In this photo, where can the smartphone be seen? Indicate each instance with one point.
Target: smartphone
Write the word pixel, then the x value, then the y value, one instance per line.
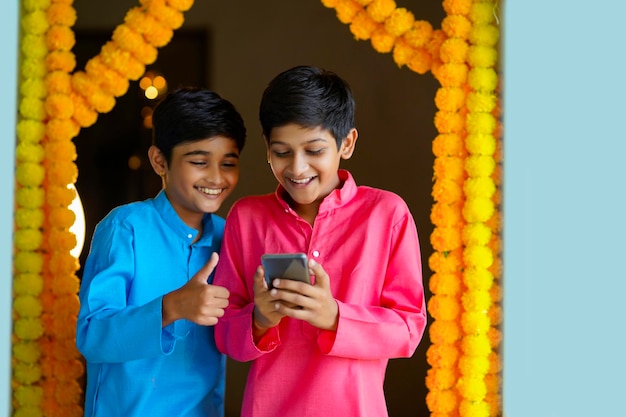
pixel 286 266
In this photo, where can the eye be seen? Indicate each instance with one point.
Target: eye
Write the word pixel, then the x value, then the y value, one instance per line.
pixel 198 163
pixel 316 152
pixel 279 154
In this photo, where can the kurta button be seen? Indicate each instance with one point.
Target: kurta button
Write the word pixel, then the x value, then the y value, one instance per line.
pixel 189 236
pixel 316 253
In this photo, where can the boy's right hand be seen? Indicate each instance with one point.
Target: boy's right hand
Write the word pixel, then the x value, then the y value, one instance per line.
pixel 197 300
pixel 265 313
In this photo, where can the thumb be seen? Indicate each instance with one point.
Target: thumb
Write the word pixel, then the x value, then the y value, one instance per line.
pixel 203 274
pixel 321 277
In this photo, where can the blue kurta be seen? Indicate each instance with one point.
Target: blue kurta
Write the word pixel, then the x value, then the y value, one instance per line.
pixel 140 252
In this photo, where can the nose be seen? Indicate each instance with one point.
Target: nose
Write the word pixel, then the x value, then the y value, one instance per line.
pixel 299 164
pixel 213 173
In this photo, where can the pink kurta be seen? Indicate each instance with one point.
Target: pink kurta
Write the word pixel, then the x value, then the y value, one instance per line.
pixel 367 242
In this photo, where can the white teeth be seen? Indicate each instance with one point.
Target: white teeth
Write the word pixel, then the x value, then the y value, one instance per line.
pixel 302 181
pixel 210 191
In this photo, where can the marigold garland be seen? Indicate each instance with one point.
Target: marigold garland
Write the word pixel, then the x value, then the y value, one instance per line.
pixel 54 104
pixel 462 55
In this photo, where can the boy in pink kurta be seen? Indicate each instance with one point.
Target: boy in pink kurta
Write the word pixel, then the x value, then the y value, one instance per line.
pixel 318 349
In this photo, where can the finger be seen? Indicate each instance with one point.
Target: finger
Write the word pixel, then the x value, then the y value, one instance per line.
pixel 321 277
pixel 203 274
pixel 259 280
pixel 219 292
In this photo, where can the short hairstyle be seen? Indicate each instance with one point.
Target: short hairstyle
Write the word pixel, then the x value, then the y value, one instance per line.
pixel 309 97
pixel 190 114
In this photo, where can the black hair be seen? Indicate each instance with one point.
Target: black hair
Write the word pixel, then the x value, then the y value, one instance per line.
pixel 191 114
pixel 309 97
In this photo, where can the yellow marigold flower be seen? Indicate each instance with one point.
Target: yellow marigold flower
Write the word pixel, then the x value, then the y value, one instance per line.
pixel 445 283
pixel 380 10
pixel 486 35
pixel 27 328
pixel 476 366
pixel 483 123
pixel 59 106
pixel 28 239
pixel 152 30
pixel 443 331
pixel 445 238
pixel 457 6
pixel 478 279
pixel 347 10
pixel 456 26
pixel 122 61
pixel 442 356
pixel 29 197
pixel 26 374
pixel 476 345
pixel 27 284
pixel 34 46
pixel 473 408
pixel 438 379
pixel 443 402
pixel 452 75
pixel 481 144
pixel 32 108
pixel 29 174
pixel 60 61
pixel 478 209
pixel 400 22
pixel 32 5
pixel 131 41
pixel 421 61
pixel 450 99
pixel 170 17
pixel 32 68
pixel 420 34
pixel 447 191
pixel 59 195
pixel 482 56
pixel 472 389
pixel 449 262
pixel 26 351
pixel 27 306
pixel 446 215
pixel 476 234
pixel 449 122
pixel 33 87
pixel 60 37
pixel 483 79
pixel 382 41
pixel 58 82
pixel 28 218
pixel 29 152
pixel 363 26
pixel 454 50
pixel 479 165
pixel 63 130
pixel 474 322
pixel 30 131
pixel 443 307
pixel 448 144
pixel 110 80
pixel 61 14
pixel 28 395
pixel 482 13
pixel 477 256
pixel 479 102
pixel 479 187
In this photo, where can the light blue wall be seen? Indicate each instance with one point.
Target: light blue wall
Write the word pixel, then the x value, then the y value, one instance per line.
pixel 8 75
pixel 565 208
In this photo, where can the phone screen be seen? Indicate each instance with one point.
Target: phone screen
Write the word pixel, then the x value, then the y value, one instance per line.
pixel 286 266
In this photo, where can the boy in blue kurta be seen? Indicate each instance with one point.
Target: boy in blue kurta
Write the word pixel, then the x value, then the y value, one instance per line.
pixel 148 307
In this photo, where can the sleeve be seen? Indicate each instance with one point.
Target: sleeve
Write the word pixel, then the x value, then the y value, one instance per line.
pixel 233 332
pixel 108 328
pixel 395 328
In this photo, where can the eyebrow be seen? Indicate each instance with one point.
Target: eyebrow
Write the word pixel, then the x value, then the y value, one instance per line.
pixel 207 153
pixel 278 142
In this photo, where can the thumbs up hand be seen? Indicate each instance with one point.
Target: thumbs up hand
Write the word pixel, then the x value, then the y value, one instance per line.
pixel 197 300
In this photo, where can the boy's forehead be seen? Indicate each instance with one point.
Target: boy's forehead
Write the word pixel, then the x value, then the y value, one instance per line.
pixel 206 144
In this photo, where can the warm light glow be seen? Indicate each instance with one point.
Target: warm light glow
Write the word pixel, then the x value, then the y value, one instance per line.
pixel 134 162
pixel 151 92
pixel 159 82
pixel 78 228
pixel 145 82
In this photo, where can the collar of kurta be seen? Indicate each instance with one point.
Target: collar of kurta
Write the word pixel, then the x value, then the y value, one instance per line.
pixel 178 226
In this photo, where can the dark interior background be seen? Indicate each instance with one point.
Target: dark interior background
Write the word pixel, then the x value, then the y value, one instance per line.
pixel 235 47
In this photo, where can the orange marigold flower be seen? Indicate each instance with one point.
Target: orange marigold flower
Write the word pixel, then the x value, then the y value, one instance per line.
pixel 449 122
pixel 448 144
pixel 452 75
pixel 446 262
pixel 457 6
pixel 445 238
pixel 59 106
pixel 421 61
pixel 168 16
pixel 438 379
pixel 58 82
pixel 454 50
pixel 444 332
pixel 363 26
pixel 61 172
pixel 456 26
pixel 447 191
pixel 450 99
pixel 60 37
pixel 443 307
pixel 131 41
pixel 442 356
pixel 450 167
pixel 445 283
pixel 420 34
pixel 61 14
pixel 347 10
pixel 402 52
pixel 60 61
pixel 62 264
pixel 400 22
pixel 122 61
pixel 380 10
pixel 443 402
pixel 382 41
pixel 446 215
pixel 59 195
pixel 182 5
pixel 63 130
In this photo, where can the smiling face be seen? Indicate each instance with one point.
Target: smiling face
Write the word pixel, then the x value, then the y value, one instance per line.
pixel 305 162
pixel 199 176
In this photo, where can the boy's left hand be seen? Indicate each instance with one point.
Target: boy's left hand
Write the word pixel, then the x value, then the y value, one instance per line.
pixel 314 304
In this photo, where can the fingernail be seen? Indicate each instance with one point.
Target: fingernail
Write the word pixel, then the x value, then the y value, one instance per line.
pixel 312 263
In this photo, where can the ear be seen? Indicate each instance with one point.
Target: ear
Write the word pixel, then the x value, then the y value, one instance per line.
pixel 157 160
pixel 349 144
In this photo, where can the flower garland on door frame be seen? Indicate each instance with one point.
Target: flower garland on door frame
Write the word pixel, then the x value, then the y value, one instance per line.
pixel 464 378
pixel 54 104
